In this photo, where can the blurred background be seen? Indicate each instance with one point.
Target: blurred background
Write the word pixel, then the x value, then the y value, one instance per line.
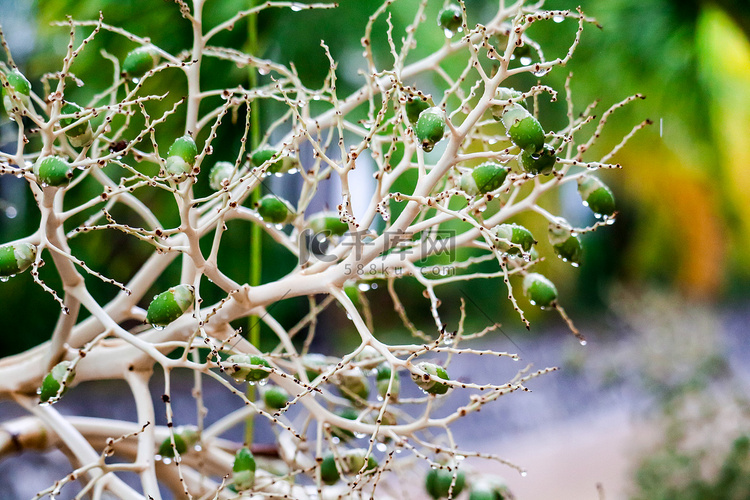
pixel 656 406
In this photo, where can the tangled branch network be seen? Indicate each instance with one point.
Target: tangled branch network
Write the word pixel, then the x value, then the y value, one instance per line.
pixel 477 156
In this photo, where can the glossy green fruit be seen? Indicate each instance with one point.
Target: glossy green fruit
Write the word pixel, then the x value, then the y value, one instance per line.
pixel 243 470
pixel 274 209
pixel 383 379
pixel 540 291
pixel 278 166
pixel 514 233
pixel 58 376
pixel 19 90
pixel 170 305
pixel 596 195
pixel 16 258
pixel 489 491
pixel 53 171
pixel 430 127
pixel 438 483
pixel 414 106
pixel 352 384
pixel 166 449
pixel 329 223
pixel 566 246
pixel 220 172
pixel 523 129
pixel 139 61
pixel 181 156
pixel 539 163
pixel 329 474
pixel 431 386
pixel 345 434
pixel 352 461
pixel 483 178
pixel 80 135
pixel 240 367
pixel 275 398
pixel 449 18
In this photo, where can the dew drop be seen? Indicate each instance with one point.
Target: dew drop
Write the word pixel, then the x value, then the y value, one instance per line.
pixel 136 80
pixel 166 461
pixel 250 382
pixel 4 279
pixel 11 212
pixel 296 7
pixel 292 171
pixel 263 70
pixel 359 435
pixel 198 447
pixel 262 382
pixel 574 264
pixel 380 398
pixel 363 287
pixel 525 60
pixel 158 327
pixel 335 440
pixel 583 342
pixel 448 33
pixel 348 316
pixel 374 286
pixel 448 341
pixel 279 226
pixel 524 473
pixel 382 448
pixel 558 19
pixel 541 72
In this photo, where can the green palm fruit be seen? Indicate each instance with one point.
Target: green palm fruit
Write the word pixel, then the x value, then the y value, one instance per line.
pixel 166 449
pixel 240 367
pixel 383 379
pixel 540 291
pixel 352 384
pixel 170 305
pixel 483 178
pixel 181 156
pixel 53 171
pixel 18 90
pixel 430 127
pixel 431 386
pixel 58 376
pixel 139 61
pixel 596 195
pixel 243 469
pixel 345 434
pixel 513 233
pixel 278 166
pixel 329 474
pixel 438 483
pixel 328 223
pixel 503 94
pixel 489 490
pixel 16 258
pixel 350 462
pixel 414 106
pixel 80 135
pixel 315 364
pixel 220 172
pixel 566 245
pixel 274 209
pixel 539 163
pixel 450 19
pixel 523 129
pixel 275 397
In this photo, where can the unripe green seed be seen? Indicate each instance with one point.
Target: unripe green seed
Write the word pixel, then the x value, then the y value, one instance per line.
pixel 237 367
pixel 329 474
pixel 345 434
pixel 243 470
pixel 139 61
pixel 539 163
pixel 274 209
pixel 20 90
pixel 503 94
pixel 353 384
pixel 429 385
pixel 220 172
pixel 438 483
pixel 58 376
pixel 449 18
pixel 166 449
pixel 80 135
pixel 539 290
pixel 16 258
pixel 414 106
pixel 566 245
pixel 329 223
pixel 482 493
pixel 596 195
pixel 430 127
pixel 315 364
pixel 513 233
pixel 383 379
pixel 170 305
pixel 524 130
pixel 53 171
pixel 483 178
pixel 275 397
pixel 279 166
pixel 181 156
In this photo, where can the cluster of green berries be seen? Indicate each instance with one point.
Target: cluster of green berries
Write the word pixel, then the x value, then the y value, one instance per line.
pixel 350 462
pixel 438 485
